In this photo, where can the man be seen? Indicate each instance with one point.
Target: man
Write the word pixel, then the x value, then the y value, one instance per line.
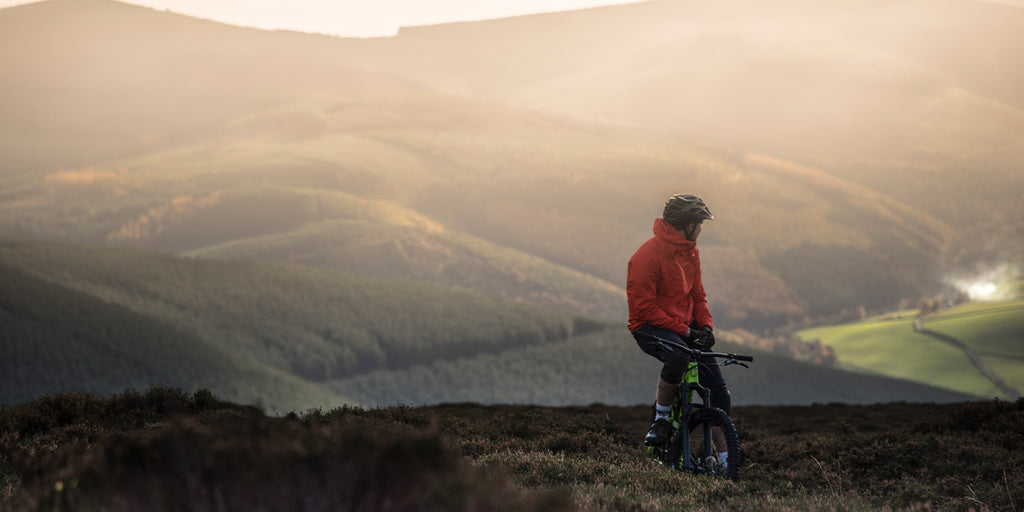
pixel 666 299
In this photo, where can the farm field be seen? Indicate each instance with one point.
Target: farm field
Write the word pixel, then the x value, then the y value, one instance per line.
pixel 992 329
pixel 889 345
pixel 1010 371
pixel 893 348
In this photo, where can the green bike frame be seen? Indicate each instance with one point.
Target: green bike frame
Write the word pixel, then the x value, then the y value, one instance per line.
pixel 683 408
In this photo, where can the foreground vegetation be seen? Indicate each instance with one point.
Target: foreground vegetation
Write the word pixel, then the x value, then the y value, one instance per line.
pixel 168 450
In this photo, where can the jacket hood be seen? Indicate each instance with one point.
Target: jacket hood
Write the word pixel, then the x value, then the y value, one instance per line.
pixel 664 231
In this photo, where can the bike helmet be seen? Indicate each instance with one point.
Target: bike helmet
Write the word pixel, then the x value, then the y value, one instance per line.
pixel 683 209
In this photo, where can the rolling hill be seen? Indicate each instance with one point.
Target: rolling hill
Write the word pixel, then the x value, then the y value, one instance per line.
pixel 577 194
pixel 576 371
pixel 311 322
pixel 495 177
pixel 92 80
pixel 510 130
pixel 585 215
pixel 293 337
pixel 57 339
pixel 911 98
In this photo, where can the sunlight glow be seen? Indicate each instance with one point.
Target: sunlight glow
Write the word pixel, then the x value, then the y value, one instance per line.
pixel 982 291
pixel 355 18
pixel 992 284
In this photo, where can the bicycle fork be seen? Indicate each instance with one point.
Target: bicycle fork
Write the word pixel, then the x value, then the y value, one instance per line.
pixel 684 409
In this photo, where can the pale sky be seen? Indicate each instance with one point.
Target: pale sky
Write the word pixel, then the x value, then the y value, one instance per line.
pixel 356 18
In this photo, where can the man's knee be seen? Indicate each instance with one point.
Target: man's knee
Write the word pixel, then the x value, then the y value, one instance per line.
pixel 722 399
pixel 672 373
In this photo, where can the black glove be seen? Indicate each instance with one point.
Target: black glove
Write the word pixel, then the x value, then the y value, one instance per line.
pixel 701 339
pixel 708 335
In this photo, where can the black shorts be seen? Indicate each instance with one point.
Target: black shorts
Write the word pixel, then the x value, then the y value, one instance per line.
pixel 708 371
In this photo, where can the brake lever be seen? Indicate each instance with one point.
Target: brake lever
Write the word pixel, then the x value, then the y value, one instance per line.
pixel 734 361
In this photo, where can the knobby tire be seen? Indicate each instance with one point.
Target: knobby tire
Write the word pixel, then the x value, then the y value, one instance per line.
pixel 716 418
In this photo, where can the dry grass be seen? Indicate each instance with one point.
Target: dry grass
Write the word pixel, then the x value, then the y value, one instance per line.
pixel 166 450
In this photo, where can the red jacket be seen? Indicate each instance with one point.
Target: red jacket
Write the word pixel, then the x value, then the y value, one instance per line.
pixel 663 283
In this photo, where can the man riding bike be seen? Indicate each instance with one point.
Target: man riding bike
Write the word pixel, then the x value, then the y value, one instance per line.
pixel 666 299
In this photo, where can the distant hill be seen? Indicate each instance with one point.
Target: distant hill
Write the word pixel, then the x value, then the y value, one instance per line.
pixel 379 240
pixel 291 337
pixel 92 80
pixel 916 99
pixel 584 376
pixel 315 323
pixel 58 339
pixel 526 158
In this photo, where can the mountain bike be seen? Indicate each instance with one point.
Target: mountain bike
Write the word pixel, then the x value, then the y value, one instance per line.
pixel 693 448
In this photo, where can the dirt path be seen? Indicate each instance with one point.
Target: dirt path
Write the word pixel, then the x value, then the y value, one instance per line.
pixel 1010 391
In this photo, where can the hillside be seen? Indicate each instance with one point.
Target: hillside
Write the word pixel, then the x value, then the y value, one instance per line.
pixel 577 371
pixel 167 450
pixel 102 320
pixel 56 339
pixel 92 80
pixel 386 241
pixel 291 337
pixel 915 99
pixel 227 160
pixel 312 322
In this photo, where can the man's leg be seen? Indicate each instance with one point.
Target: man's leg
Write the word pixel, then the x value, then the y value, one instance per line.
pixel 668 383
pixel 666 393
pixel 710 375
pixel 665 396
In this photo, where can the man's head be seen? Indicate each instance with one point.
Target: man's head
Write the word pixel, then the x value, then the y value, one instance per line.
pixel 686 213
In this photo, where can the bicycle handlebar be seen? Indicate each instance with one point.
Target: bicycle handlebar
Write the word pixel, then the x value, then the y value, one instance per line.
pixel 692 352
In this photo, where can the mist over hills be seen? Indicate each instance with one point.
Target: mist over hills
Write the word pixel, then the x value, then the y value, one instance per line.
pixel 849 162
pixel 92 80
pixel 211 111
pixel 899 96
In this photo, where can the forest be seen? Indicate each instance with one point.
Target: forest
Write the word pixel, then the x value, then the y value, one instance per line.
pixel 293 337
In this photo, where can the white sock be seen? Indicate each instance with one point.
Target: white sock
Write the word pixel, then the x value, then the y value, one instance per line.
pixel 662 412
pixel 723 458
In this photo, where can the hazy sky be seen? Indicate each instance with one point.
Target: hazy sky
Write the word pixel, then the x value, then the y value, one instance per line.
pixel 356 18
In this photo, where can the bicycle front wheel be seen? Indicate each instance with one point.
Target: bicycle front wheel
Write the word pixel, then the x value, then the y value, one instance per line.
pixel 710 431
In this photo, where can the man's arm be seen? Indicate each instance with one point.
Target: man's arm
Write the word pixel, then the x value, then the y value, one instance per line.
pixel 641 290
pixel 701 312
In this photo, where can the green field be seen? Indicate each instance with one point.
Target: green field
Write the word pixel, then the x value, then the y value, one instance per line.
pixel 995 331
pixel 1011 371
pixel 889 345
pixel 992 329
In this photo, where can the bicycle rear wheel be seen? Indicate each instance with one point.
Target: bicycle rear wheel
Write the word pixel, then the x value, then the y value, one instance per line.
pixel 704 460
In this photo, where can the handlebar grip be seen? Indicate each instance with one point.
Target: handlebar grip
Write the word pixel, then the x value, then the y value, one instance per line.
pixel 744 358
